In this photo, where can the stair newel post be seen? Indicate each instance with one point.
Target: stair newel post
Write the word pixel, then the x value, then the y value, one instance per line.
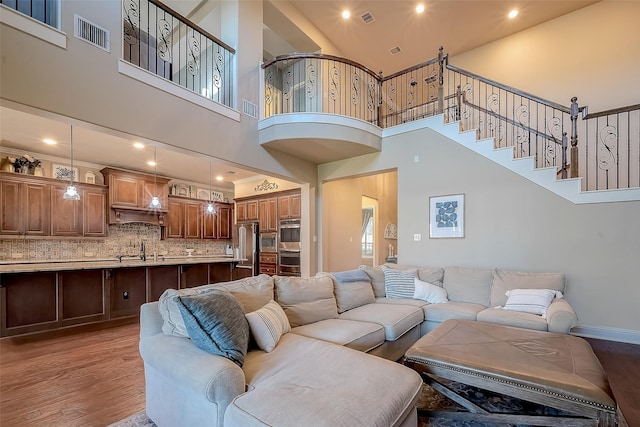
pixel 565 143
pixel 380 99
pixel 574 137
pixel 441 80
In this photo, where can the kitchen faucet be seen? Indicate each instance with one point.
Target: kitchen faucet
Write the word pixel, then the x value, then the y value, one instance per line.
pixel 143 254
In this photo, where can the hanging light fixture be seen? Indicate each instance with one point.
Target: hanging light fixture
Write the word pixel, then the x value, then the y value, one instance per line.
pixel 155 200
pixel 210 208
pixel 72 191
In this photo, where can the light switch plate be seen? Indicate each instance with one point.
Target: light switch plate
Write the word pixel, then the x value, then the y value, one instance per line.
pixel 417 237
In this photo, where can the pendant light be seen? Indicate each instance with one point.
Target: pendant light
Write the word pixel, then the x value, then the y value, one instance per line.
pixel 72 191
pixel 155 200
pixel 210 208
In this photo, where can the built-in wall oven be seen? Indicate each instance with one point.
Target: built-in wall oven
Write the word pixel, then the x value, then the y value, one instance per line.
pixel 289 248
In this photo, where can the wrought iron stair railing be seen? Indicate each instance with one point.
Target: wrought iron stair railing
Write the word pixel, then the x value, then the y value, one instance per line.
pixel 602 148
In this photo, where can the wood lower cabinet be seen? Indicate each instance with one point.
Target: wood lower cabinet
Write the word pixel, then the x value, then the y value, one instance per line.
pixel 194 275
pixel 81 295
pixel 161 278
pixel 29 302
pixel 128 290
pixel 220 272
pixel 268 263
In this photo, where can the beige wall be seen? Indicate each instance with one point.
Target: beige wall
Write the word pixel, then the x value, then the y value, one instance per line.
pixel 342 218
pixel 593 53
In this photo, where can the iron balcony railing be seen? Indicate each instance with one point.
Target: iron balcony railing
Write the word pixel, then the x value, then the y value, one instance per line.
pixel 163 42
pixel 46 11
pixel 602 148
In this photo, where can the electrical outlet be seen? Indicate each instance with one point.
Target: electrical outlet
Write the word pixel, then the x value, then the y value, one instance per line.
pixel 417 237
pixel 416 159
pixel 125 295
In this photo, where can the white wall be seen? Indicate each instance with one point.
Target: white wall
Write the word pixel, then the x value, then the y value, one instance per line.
pixel 511 223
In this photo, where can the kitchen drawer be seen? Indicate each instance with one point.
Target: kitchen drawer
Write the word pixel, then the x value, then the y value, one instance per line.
pixel 268 258
pixel 268 269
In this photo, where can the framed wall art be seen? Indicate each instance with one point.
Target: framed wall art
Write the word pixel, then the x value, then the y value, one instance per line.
pixel 446 216
pixel 64 172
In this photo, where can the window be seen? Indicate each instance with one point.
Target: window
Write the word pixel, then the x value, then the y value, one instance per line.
pixel 46 11
pixel 367 232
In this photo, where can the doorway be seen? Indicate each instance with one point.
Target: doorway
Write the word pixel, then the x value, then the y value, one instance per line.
pixel 369 224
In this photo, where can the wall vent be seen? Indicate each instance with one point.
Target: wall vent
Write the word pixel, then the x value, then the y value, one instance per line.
pixel 395 50
pixel 91 33
pixel 250 109
pixel 367 17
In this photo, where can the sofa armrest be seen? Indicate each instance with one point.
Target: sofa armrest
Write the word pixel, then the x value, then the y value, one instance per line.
pixel 560 316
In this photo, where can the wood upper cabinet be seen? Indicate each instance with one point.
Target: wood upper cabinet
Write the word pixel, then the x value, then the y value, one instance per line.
pixel 184 219
pixel 267 214
pixel 289 206
pixel 193 220
pixel 24 207
pixel 174 220
pixel 66 215
pixel 247 210
pixel 94 212
pixel 218 225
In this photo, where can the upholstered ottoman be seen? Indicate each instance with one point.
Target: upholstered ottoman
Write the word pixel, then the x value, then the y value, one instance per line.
pixel 555 370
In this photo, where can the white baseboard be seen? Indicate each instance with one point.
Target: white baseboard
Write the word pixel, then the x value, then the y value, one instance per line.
pixel 605 333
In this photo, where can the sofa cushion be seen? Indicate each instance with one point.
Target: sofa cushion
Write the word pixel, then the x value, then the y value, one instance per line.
pixel 268 324
pixel 251 292
pixel 306 299
pixel 362 336
pixel 429 292
pixel 504 281
pixel 534 301
pixel 452 310
pixel 402 301
pixel 426 274
pixel 352 289
pixel 399 283
pixel 512 318
pixel 396 319
pixel 377 279
pixel 216 324
pixel 470 285
pixel 312 378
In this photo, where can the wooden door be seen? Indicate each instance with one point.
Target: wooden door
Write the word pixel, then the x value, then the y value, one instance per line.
pixel 94 212
pixel 268 214
pixel 252 210
pixel 242 211
pixel 210 225
pixel 66 215
pixel 37 209
pixel 283 207
pixel 11 212
pixel 223 213
pixel 294 206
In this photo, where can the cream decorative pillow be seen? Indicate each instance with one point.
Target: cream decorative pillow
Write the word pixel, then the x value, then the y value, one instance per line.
pixel 399 283
pixel 268 324
pixel 429 292
pixel 534 301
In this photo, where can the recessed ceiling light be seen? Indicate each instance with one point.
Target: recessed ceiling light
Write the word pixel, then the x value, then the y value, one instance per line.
pixel 138 145
pixel 151 163
pixel 346 14
pixel 513 14
pixel 420 8
pixel 219 178
pixel 49 141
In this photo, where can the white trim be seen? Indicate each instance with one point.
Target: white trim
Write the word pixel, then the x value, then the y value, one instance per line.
pixel 320 118
pixel 32 26
pixel 151 79
pixel 607 333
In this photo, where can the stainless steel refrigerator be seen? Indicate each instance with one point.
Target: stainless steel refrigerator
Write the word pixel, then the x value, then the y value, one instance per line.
pixel 246 241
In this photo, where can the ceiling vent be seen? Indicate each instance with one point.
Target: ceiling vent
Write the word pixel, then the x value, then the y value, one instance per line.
pixel 395 50
pixel 250 109
pixel 91 33
pixel 367 17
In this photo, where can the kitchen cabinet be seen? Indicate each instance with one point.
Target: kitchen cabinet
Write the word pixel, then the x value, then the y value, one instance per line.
pixel 220 272
pixel 289 206
pixel 268 263
pixel 81 296
pixel 247 210
pixel 25 207
pixel 194 275
pixel 127 289
pixel 193 219
pixel 218 225
pixel 130 194
pixel 66 219
pixel 184 219
pixel 161 278
pixel 29 302
pixel 174 220
pixel 268 214
pixel 94 212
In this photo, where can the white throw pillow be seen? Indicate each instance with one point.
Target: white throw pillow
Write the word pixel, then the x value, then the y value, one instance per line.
pixel 399 283
pixel 268 324
pixel 534 301
pixel 429 292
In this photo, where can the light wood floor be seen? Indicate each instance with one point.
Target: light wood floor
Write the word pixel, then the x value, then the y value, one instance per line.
pixel 94 376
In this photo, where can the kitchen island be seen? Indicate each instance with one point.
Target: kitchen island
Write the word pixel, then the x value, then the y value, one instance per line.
pixel 40 296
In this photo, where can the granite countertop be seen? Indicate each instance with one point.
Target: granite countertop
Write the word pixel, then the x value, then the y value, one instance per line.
pixel 94 263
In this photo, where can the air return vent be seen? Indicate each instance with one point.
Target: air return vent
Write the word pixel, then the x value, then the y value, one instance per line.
pixel 250 109
pixel 396 50
pixel 91 33
pixel 367 17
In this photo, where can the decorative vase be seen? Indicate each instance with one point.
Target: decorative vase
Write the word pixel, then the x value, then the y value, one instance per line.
pixel 38 171
pixel 7 165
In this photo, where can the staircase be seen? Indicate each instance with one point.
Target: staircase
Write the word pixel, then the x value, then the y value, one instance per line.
pixel 546 177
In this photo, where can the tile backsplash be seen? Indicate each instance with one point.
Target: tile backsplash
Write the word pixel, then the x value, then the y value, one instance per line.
pixel 123 239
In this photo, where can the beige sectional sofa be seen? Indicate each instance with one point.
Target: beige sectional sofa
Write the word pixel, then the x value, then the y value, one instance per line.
pixel 321 371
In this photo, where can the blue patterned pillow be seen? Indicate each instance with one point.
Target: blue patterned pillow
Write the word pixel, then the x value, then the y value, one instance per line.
pixel 399 283
pixel 216 323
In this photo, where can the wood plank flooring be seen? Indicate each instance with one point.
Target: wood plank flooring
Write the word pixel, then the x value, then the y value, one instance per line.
pixel 93 376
